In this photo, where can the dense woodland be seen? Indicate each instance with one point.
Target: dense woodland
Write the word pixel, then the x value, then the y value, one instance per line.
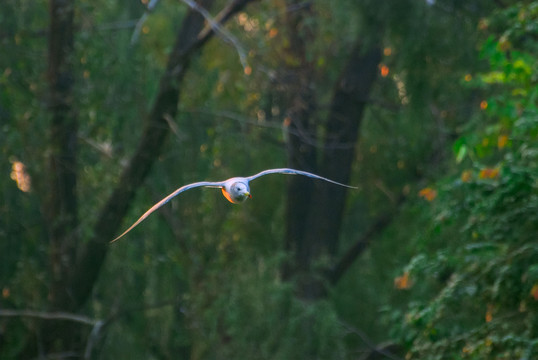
pixel 429 107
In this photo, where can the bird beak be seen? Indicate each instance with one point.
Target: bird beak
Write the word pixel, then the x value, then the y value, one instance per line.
pixel 248 194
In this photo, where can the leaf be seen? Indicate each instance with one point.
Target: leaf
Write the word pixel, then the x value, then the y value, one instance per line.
pixel 461 154
pixel 460 149
pixel 494 77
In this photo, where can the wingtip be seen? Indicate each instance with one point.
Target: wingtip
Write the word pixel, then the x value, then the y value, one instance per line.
pixel 116 239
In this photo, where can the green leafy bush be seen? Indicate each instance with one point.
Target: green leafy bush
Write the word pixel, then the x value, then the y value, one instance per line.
pixel 475 283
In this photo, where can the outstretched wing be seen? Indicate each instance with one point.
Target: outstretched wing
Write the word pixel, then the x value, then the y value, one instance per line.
pixel 167 199
pixel 296 172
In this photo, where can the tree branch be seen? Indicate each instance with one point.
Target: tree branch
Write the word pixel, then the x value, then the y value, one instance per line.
pixel 223 33
pixel 55 315
pixel 382 351
pixel 362 244
pixel 138 27
pixel 97 325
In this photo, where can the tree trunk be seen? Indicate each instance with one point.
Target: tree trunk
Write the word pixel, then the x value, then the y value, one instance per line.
pixel 315 209
pixel 298 88
pixel 60 206
pixel 342 134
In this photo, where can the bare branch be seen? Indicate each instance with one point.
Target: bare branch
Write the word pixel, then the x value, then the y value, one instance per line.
pixel 276 123
pixel 221 31
pixel 56 315
pixel 224 15
pixel 93 337
pixel 138 27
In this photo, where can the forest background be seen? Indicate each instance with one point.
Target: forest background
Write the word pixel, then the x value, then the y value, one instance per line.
pixel 429 107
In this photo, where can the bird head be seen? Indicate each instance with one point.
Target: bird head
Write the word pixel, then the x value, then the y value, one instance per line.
pixel 236 192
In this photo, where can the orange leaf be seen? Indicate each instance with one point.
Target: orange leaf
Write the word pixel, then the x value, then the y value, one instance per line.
pixel 489 173
pixel 428 193
pixel 534 292
pixel 466 176
pixel 489 313
pixel 403 282
pixel 501 141
pixel 384 70
pixel 273 32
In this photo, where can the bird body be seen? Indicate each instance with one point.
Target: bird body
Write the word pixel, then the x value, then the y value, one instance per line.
pixel 235 190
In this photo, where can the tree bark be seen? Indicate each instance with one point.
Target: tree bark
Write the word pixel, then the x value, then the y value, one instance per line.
pixel 315 210
pixel 298 88
pixel 342 134
pixel 60 202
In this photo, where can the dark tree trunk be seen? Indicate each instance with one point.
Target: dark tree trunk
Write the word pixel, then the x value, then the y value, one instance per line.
pixel 315 209
pixel 60 202
pixel 298 88
pixel 342 134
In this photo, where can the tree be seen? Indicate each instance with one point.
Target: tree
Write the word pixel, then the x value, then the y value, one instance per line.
pixel 315 211
pixel 475 276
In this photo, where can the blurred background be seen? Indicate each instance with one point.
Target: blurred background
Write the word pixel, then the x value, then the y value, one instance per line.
pixel 429 107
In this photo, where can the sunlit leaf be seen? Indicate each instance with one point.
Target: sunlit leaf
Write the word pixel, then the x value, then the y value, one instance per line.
pixel 466 176
pixel 489 173
pixel 502 141
pixel 428 193
pixel 403 282
pixel 534 292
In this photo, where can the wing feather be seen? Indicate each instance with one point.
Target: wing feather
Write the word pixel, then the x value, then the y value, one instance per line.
pixel 167 199
pixel 296 172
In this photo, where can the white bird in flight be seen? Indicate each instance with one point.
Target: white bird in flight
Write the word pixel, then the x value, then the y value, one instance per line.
pixel 236 190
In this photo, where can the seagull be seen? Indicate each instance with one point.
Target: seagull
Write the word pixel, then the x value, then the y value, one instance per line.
pixel 235 190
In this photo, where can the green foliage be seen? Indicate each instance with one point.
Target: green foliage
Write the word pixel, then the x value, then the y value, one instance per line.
pixel 202 278
pixel 475 293
pixel 249 311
